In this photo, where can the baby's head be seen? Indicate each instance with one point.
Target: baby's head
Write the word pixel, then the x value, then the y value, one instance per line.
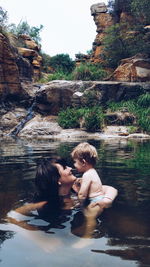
pixel 85 152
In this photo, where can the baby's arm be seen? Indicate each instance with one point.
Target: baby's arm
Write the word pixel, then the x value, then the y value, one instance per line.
pixel 84 189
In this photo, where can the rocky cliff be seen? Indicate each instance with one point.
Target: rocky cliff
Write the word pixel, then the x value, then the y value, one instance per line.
pixel 17 64
pixel 103 20
pixel 134 69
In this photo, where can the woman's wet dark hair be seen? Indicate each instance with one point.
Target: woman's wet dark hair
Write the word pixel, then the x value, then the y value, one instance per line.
pixel 47 187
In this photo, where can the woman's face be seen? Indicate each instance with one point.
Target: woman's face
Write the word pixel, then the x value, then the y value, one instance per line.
pixel 66 176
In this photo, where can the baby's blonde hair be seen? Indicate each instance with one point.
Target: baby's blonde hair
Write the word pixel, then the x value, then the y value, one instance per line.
pixel 85 151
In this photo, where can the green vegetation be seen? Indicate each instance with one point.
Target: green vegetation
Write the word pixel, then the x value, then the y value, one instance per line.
pixel 114 46
pixel 127 38
pixel 69 118
pixel 57 75
pixel 121 44
pixel 63 68
pixel 22 28
pixel 144 100
pixel 88 71
pixel 92 118
pixel 3 20
pixel 62 63
pixel 139 108
pixel 132 129
pixel 141 10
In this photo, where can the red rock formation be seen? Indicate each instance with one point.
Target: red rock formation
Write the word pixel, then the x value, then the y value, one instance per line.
pixel 103 20
pixel 134 69
pixel 9 73
pixel 17 65
pixel 31 53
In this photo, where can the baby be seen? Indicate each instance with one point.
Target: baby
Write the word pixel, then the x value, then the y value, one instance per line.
pixel 85 156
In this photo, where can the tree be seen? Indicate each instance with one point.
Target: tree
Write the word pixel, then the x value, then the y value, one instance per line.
pixel 114 46
pixel 62 62
pixel 3 19
pixel 141 10
pixel 24 28
pixel 46 62
pixel 116 7
pixel 125 39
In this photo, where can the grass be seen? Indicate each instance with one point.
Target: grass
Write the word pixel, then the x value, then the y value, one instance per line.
pixel 92 117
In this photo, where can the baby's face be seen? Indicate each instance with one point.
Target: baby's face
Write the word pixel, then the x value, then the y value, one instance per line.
pixel 79 165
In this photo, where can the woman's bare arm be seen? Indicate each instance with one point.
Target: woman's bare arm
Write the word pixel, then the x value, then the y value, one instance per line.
pixel 26 209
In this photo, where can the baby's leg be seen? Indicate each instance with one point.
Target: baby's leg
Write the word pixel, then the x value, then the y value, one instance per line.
pixel 91 213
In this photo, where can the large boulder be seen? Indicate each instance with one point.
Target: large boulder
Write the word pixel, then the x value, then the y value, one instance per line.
pixel 11 119
pixel 30 43
pixel 57 95
pixel 133 69
pixel 40 126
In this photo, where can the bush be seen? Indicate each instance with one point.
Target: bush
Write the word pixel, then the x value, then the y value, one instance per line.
pixel 91 98
pixel 144 100
pixel 139 108
pixel 58 75
pixel 88 71
pixel 62 63
pixel 71 117
pixel 94 119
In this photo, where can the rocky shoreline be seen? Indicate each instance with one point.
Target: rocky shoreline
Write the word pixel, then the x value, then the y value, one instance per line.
pixel 35 114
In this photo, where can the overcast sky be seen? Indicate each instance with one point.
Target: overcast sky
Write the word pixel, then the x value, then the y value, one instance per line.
pixel 68 24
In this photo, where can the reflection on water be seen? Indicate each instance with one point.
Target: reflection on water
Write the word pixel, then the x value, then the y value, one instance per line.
pixel 122 233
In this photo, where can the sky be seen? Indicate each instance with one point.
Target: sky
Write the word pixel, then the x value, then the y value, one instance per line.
pixel 68 26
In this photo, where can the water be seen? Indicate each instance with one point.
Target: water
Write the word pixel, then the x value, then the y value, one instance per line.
pixel 123 235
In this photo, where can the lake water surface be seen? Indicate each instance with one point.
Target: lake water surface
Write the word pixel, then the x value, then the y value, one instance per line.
pixel 123 235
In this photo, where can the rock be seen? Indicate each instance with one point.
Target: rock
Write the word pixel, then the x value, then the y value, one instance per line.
pixel 27 53
pixel 134 69
pixel 40 126
pixel 57 95
pixel 103 20
pixel 116 130
pixel 120 118
pixel 30 43
pixel 98 8
pixel 25 69
pixel 11 119
pixel 9 73
pixel 16 67
pixel 31 53
pixel 139 136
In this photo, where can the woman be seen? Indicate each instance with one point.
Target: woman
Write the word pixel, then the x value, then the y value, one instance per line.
pixel 55 185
